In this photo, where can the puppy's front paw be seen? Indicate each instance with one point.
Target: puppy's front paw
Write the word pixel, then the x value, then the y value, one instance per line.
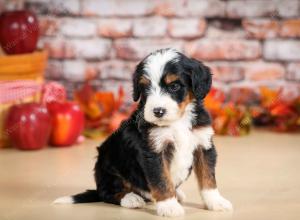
pixel 169 208
pixel 180 195
pixel 132 201
pixel 219 204
pixel 214 201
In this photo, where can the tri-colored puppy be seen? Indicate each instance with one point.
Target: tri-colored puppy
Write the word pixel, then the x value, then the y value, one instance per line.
pixel 168 136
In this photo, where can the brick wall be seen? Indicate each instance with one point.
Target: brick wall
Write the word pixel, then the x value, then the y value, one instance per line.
pixel 245 42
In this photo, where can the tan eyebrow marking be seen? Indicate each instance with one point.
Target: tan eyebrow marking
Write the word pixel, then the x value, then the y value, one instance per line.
pixel 144 80
pixel 171 77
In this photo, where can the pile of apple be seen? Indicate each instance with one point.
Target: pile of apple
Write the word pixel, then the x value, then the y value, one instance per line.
pixel 54 121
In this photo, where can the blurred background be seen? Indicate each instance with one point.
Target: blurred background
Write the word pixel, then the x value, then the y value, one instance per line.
pixel 246 42
pixel 65 80
pixel 86 50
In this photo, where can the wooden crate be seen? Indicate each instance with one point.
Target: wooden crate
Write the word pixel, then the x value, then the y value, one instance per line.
pixel 23 66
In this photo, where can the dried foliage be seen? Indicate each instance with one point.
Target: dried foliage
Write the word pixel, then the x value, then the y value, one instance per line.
pixel 103 110
pixel 242 108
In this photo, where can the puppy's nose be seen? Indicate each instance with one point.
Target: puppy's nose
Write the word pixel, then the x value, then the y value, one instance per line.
pixel 159 112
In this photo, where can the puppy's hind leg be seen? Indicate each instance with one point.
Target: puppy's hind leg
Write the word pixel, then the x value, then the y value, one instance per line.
pixel 113 189
pixel 125 199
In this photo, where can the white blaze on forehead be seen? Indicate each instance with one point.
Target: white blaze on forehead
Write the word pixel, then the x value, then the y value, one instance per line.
pixel 156 62
pixel 154 67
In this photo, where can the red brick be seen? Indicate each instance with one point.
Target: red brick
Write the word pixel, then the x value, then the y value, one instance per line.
pixel 136 49
pixel 54 70
pixel 226 72
pixel 261 28
pixel 78 27
pixel 116 69
pixel 249 8
pixel 93 49
pixel 215 32
pixel 49 26
pixel 124 8
pixel 194 8
pixel 206 8
pixel 264 71
pixel 170 8
pixel 208 49
pixel 74 70
pixel 253 71
pixel 258 8
pixel 293 72
pixel 78 71
pixel 290 28
pixel 178 28
pixel 149 27
pixel 115 28
pixel 57 48
pixel 285 50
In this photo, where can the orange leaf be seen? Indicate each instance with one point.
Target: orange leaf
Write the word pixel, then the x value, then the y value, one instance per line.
pixel 214 100
pixel 87 101
pixel 107 101
pixel 269 97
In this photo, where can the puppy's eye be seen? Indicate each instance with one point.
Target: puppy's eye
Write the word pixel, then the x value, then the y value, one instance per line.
pixel 174 87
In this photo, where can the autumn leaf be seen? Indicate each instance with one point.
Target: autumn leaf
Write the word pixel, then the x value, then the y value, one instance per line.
pixel 214 100
pixel 102 109
pixel 87 100
pixel 107 102
pixel 281 109
pixel 269 97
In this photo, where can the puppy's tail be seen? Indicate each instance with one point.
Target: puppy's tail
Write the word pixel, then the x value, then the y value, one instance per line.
pixel 85 197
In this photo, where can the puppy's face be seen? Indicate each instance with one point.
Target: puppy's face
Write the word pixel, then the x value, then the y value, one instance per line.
pixel 166 81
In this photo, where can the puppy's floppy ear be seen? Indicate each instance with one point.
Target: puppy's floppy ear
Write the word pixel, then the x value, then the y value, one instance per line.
pixel 136 82
pixel 201 78
pixel 136 87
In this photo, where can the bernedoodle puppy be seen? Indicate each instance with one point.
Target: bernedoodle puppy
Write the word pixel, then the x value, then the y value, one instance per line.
pixel 166 137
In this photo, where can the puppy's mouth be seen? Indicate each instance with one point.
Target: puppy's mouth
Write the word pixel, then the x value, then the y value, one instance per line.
pixel 162 122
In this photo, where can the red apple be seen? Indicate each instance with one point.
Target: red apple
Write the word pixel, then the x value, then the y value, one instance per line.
pixel 28 126
pixel 19 31
pixel 67 123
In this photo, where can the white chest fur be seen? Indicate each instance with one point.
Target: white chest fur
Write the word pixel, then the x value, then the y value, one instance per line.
pixel 185 140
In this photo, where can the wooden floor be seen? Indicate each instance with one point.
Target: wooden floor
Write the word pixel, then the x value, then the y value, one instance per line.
pixel 259 174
